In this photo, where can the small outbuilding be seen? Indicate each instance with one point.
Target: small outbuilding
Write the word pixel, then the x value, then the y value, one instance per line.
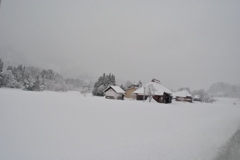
pixel 114 92
pixel 183 95
pixel 196 98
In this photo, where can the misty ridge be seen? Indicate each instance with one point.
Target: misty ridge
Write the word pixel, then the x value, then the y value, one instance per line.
pixel 222 89
pixel 35 79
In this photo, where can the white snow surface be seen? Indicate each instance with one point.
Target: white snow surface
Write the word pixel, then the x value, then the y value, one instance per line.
pixel 182 93
pixel 160 89
pixel 228 101
pixel 68 126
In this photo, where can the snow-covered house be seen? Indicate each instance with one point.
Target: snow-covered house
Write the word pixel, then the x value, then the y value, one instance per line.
pixel 183 96
pixel 196 98
pixel 156 90
pixel 114 92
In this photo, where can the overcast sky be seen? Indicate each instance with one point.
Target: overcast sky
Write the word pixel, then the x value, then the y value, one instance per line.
pixel 181 43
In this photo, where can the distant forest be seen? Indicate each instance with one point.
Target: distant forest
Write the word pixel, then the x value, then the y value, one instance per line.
pixel 36 79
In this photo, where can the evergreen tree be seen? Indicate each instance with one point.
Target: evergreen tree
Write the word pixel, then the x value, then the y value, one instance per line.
pixel 111 79
pixel 37 84
pixel 121 86
pixel 1 65
pixel 103 82
pixel 9 68
pixel 18 73
pixel 1 69
pixel 32 79
pixel 7 79
pixel 139 84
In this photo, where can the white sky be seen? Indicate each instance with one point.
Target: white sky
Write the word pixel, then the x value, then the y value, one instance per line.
pixel 181 43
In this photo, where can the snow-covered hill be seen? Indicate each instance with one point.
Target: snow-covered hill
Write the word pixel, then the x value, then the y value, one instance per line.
pixel 222 89
pixel 69 126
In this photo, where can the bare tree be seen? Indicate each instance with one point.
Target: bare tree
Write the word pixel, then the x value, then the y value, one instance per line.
pixel 85 90
pixel 144 89
pixel 127 84
pixel 203 95
pixel 150 91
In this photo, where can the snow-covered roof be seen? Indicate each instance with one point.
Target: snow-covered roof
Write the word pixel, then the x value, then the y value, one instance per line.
pixel 151 101
pixel 196 96
pixel 182 93
pixel 117 89
pixel 160 89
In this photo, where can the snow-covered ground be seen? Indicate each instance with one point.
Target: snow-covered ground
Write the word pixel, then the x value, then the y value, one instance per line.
pixel 228 101
pixel 68 126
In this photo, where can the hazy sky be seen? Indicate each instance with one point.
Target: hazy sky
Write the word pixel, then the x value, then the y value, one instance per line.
pixel 190 43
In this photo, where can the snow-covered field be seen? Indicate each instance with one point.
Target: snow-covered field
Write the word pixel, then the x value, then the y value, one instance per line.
pixel 68 126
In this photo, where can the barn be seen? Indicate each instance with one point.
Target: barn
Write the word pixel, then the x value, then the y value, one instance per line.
pixel 114 92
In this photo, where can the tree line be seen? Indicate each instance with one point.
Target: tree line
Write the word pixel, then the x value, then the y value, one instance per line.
pixel 36 79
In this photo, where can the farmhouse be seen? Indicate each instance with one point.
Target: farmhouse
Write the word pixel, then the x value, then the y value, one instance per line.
pixel 156 90
pixel 114 92
pixel 183 96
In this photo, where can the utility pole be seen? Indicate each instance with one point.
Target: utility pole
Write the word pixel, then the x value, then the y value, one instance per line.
pixel 144 88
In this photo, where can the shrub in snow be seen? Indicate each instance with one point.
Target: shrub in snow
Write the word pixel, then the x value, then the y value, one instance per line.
pixel 203 95
pixel 85 90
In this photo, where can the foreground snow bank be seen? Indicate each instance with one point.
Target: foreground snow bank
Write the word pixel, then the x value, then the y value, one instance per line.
pixel 59 126
pixel 231 151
